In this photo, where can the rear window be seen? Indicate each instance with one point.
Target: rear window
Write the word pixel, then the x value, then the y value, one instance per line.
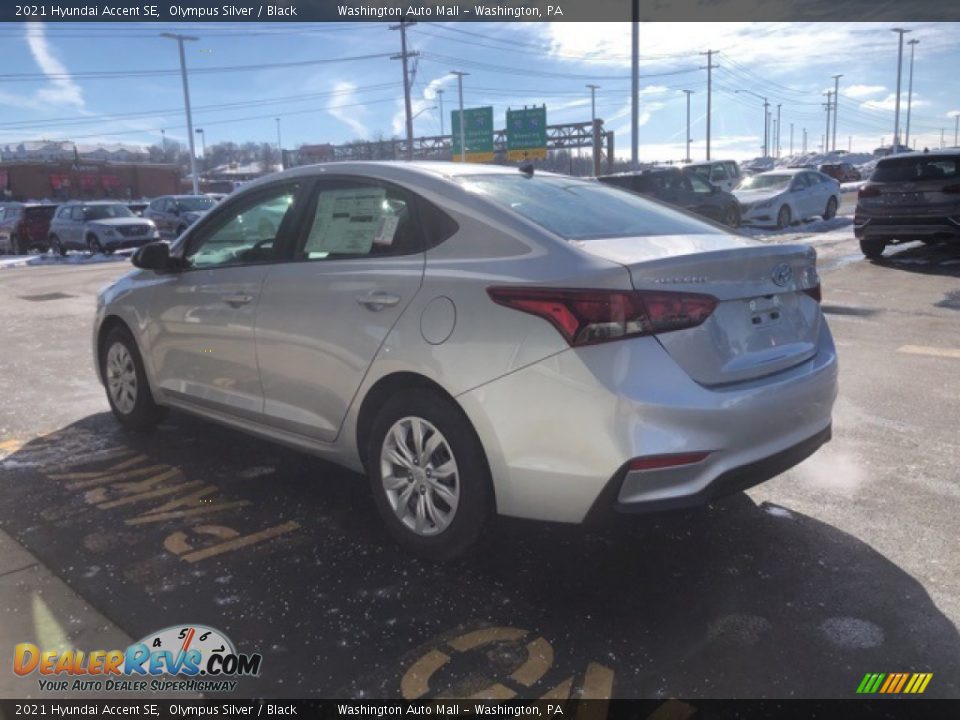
pixel 906 169
pixel 582 210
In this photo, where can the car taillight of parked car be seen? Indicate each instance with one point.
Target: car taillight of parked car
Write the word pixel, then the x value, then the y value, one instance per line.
pixel 868 191
pixel 588 317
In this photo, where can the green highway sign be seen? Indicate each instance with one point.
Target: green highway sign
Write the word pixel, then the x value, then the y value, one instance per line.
pixel 477 134
pixel 527 133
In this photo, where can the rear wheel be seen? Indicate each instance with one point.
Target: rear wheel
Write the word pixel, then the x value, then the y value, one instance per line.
pixel 732 217
pixel 872 247
pixel 831 211
pixel 56 246
pixel 784 217
pixel 428 475
pixel 126 382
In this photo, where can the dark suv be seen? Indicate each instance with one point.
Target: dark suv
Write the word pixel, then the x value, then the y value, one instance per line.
pixel 915 196
pixel 25 226
pixel 841 172
pixel 682 188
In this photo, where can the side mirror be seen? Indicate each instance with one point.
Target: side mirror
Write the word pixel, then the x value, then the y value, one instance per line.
pixel 153 256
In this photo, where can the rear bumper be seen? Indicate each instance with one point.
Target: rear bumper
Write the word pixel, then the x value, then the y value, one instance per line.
pixel 906 227
pixel 557 431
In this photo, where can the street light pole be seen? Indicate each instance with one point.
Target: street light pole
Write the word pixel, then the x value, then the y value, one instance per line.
pixel 826 137
pixel 896 121
pixel 688 94
pixel 186 101
pixel 836 102
pixel 203 142
pixel 463 144
pixel 440 100
pixel 913 44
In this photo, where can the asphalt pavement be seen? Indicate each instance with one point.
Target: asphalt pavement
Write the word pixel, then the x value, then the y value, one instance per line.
pixel 842 566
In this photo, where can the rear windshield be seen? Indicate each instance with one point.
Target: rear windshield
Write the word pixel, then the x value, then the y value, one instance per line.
pixel 582 210
pixel 40 212
pixel 904 169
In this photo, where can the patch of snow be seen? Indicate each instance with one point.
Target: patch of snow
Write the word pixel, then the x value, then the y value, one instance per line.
pixel 71 258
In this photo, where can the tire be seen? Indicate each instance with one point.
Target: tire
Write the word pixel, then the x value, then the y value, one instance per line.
pixel 56 246
pixel 93 245
pixel 831 210
pixel 872 248
pixel 436 524
pixel 125 382
pixel 784 217
pixel 732 217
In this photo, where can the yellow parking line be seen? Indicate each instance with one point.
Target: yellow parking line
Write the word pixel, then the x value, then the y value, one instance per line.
pixel 598 682
pixel 241 542
pixel 487 635
pixel 416 681
pixel 539 660
pixel 953 353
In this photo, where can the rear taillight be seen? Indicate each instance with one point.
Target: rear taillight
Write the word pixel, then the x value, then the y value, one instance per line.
pixel 868 191
pixel 814 292
pixel 659 462
pixel 951 190
pixel 587 317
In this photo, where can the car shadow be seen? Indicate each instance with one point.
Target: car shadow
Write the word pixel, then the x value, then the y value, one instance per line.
pixel 193 523
pixel 940 259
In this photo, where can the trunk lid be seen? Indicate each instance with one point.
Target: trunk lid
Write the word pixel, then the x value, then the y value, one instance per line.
pixel 764 321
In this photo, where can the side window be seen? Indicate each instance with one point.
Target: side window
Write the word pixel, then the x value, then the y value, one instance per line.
pixel 733 169
pixel 350 219
pixel 77 213
pixel 246 234
pixel 700 186
pixel 718 174
pixel 437 225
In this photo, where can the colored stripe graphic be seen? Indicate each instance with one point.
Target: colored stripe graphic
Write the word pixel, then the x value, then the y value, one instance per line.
pixel 894 683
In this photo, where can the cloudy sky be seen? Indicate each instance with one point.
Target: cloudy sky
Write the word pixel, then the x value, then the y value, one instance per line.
pixel 335 82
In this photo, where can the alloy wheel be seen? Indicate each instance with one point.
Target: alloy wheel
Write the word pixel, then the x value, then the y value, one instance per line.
pixel 121 378
pixel 420 476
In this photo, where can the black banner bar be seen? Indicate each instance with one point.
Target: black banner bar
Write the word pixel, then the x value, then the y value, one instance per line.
pixel 165 11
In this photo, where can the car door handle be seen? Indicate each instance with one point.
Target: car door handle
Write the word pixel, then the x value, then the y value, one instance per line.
pixel 238 299
pixel 377 301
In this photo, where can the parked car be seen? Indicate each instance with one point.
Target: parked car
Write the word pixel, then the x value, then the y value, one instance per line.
pixel 781 197
pixel 909 197
pixel 173 214
pixel 725 174
pixel 682 188
pixel 479 340
pixel 98 226
pixel 841 172
pixel 25 226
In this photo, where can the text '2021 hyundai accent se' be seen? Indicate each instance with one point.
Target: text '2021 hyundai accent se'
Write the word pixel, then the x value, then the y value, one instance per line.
pixel 478 340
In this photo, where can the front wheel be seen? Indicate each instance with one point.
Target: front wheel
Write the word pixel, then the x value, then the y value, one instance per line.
pixel 126 382
pixel 732 217
pixel 428 475
pixel 872 248
pixel 93 245
pixel 784 217
pixel 831 210
pixel 56 246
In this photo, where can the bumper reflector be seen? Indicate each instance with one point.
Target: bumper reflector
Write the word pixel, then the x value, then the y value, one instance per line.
pixel 659 462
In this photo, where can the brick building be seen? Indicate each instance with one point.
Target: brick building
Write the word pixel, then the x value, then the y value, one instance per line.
pixel 86 179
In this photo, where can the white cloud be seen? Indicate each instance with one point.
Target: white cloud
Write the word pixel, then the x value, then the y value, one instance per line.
pixel 890 103
pixel 862 91
pixel 345 96
pixel 61 90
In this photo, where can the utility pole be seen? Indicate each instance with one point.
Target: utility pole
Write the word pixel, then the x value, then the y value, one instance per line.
pixel 913 44
pixel 688 93
pixel 896 120
pixel 829 105
pixel 203 143
pixel 594 135
pixel 463 143
pixel 440 99
pixel 767 136
pixel 836 102
pixel 186 101
pixel 804 141
pixel 773 135
pixel 791 139
pixel 779 126
pixel 404 24
pixel 635 84
pixel 709 68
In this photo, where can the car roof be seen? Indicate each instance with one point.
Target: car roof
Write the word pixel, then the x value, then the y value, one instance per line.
pixel 786 171
pixel 946 152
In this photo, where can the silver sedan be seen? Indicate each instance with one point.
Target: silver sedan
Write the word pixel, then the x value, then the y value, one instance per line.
pixel 479 340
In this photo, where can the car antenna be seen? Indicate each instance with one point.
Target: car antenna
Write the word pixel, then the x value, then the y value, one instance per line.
pixel 527 169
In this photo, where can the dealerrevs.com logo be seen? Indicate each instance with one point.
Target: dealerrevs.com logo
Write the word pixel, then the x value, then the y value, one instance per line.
pixel 183 658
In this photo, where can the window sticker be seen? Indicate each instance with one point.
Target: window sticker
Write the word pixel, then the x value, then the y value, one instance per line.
pixel 347 222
